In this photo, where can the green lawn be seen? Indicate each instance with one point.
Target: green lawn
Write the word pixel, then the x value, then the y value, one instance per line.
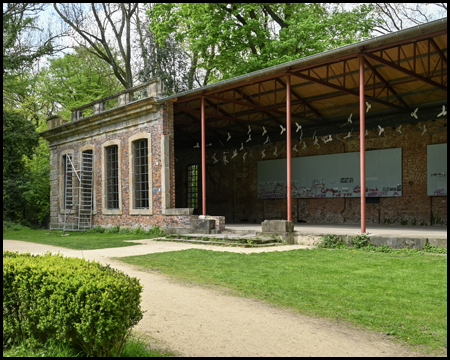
pixel 77 240
pixel 402 294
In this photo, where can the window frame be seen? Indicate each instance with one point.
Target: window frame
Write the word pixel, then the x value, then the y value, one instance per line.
pixel 132 174
pixel 112 177
pixel 140 163
pixel 192 190
pixel 105 209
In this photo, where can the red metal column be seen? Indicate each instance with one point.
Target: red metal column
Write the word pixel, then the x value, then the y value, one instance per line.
pixel 203 157
pixel 288 146
pixel 362 143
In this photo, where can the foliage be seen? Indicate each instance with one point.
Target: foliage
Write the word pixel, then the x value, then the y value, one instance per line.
pixel 434 249
pixel 360 241
pixel 138 231
pixel 404 291
pixel 76 79
pixel 331 242
pixel 10 226
pixel 234 39
pixel 19 140
pixel 113 229
pixel 25 175
pixel 36 190
pixel 167 61
pixel 19 50
pixel 135 346
pixel 70 300
pixel 124 230
pixel 155 231
pixel 91 27
pixel 96 230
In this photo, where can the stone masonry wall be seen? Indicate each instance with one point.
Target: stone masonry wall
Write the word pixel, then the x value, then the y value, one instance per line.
pixel 157 122
pixel 232 188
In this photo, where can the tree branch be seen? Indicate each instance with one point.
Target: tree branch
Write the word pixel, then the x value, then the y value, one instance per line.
pixel 275 17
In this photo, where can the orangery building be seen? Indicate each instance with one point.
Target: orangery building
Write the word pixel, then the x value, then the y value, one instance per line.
pixel 356 134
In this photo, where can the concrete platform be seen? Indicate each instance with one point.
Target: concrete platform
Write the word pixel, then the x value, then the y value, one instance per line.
pixel 395 236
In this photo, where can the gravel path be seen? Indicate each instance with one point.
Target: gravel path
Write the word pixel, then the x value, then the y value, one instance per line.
pixel 199 321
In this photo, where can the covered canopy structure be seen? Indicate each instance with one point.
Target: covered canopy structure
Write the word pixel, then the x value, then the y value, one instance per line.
pixel 385 81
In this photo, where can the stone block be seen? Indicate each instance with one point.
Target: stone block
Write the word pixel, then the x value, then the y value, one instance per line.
pixel 277 226
pixel 220 221
pixel 438 242
pixel 98 108
pixel 123 99
pixel 155 89
pixel 203 224
pixel 178 212
pixel 53 121
pixel 287 237
pixel 77 115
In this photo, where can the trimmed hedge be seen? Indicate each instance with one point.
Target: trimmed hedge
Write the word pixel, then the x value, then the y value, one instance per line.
pixel 81 303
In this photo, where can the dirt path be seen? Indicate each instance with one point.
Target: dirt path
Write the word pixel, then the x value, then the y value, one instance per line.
pixel 196 321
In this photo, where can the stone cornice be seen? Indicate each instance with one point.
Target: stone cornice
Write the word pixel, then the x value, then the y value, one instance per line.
pixel 96 122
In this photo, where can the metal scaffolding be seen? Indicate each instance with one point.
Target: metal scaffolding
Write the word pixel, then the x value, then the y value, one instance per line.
pixel 78 192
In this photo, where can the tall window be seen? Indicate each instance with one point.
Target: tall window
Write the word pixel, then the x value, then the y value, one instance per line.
pixel 87 179
pixel 68 201
pixel 112 177
pixel 192 193
pixel 141 185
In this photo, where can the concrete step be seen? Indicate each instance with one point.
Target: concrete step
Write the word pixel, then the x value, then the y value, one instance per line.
pixel 239 232
pixel 222 243
pixel 228 237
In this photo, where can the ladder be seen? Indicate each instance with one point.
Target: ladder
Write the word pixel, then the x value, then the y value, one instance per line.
pixel 78 192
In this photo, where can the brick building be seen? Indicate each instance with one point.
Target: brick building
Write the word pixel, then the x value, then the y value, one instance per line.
pixel 160 160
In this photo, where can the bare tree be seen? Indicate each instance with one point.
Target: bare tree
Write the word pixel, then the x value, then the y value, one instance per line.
pixel 94 27
pixel 397 16
pixel 25 40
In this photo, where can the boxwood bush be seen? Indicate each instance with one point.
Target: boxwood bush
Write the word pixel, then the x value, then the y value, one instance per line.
pixel 81 303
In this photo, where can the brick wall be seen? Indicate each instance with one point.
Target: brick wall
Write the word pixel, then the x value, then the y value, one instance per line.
pixel 157 122
pixel 232 188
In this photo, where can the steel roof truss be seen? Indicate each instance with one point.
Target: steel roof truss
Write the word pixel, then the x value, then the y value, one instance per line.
pixel 348 91
pixel 407 72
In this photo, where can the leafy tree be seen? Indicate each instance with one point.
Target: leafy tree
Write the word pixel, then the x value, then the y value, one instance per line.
pixel 234 39
pixel 23 45
pixel 76 79
pixel 168 60
pixel 36 187
pixel 19 140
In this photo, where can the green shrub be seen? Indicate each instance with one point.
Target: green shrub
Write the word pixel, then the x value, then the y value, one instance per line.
pixel 138 231
pixel 9 226
pixel 76 302
pixel 97 230
pixel 124 230
pixel 113 229
pixel 434 249
pixel 331 242
pixel 360 241
pixel 155 231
